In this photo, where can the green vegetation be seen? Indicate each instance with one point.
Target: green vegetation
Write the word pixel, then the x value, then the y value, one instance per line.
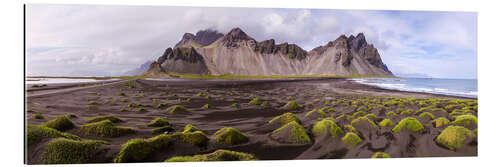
pixel 293 105
pixel 285 118
pixel 327 125
pixel 294 133
pixel 163 129
pixel 190 128
pixel 465 120
pixel 351 139
pixel 381 155
pixel 317 112
pixel 35 133
pixel 453 137
pixel 137 150
pixel 158 122
pixel 61 123
pixel 93 103
pixel 162 105
pixel 177 109
pixel 105 128
pixel 219 155
pixel 371 116
pixel 441 121
pixel 363 120
pixel 38 116
pixel 358 113
pixel 264 104
pixel 72 116
pixel 235 105
pixel 426 114
pixel 386 122
pixel 67 151
pixel 407 112
pixel 206 106
pixel 112 118
pixel 142 110
pixel 392 113
pixel 255 101
pixel 350 128
pixel 230 136
pixel 409 123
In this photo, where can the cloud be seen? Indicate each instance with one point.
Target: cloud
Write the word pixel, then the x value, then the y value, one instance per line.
pixel 109 40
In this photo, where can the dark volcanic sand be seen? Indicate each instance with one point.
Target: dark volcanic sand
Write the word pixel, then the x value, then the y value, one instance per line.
pixel 248 118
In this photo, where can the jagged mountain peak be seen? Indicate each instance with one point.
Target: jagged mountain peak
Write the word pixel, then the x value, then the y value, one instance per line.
pixel 202 38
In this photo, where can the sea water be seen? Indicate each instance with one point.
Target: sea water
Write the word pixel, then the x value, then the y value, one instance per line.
pixel 455 87
pixel 30 81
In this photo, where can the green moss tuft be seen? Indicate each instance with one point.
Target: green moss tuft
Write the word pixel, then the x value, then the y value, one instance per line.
pixel 142 110
pixel 235 105
pixel 190 128
pixel 426 114
pixel 381 155
pixel 285 118
pixel 465 120
pixel 297 133
pixel 112 118
pixel 386 122
pixel 351 139
pixel 327 125
pixel 162 105
pixel 157 122
pixel 453 137
pixel 105 128
pixel 38 116
pixel 67 151
pixel 371 116
pixel 409 123
pixel 206 106
pixel 177 109
pixel 219 155
pixel 256 101
pixel 321 113
pixel 293 105
pixel 358 114
pixel 35 133
pixel 163 129
pixel 441 121
pixel 350 128
pixel 392 113
pixel 230 136
pixel 360 120
pixel 61 123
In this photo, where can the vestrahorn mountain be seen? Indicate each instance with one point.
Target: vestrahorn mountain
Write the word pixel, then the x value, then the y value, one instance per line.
pixel 210 52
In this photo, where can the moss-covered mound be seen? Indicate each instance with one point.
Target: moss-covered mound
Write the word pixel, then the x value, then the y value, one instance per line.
pixel 35 133
pixel 38 116
pixel 177 109
pixel 363 122
pixel 137 150
pixel 441 121
pixel 230 136
pixel 410 124
pixel 61 123
pixel 158 122
pixel 285 118
pixel 391 113
pixel 206 106
pixel 292 132
pixel 190 128
pixel 465 120
pixel 163 129
pixel 453 137
pixel 386 122
pixel 426 114
pixel 358 114
pixel 315 113
pixel 67 151
pixel 219 155
pixel 293 105
pixel 112 118
pixel 381 155
pixel 255 101
pixel 325 126
pixel 105 128
pixel 351 139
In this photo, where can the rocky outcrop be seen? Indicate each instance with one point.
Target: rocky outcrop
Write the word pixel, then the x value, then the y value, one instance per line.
pixel 208 52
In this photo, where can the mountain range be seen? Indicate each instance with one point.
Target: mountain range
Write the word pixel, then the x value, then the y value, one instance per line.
pixel 214 53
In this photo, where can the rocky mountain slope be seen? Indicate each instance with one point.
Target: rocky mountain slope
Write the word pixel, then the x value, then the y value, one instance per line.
pixel 209 52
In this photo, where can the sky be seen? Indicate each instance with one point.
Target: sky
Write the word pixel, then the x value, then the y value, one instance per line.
pixel 109 40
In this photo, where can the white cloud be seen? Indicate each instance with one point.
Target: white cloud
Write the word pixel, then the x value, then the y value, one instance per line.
pixel 86 39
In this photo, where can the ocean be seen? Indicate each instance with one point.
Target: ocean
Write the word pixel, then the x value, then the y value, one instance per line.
pixel 455 87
